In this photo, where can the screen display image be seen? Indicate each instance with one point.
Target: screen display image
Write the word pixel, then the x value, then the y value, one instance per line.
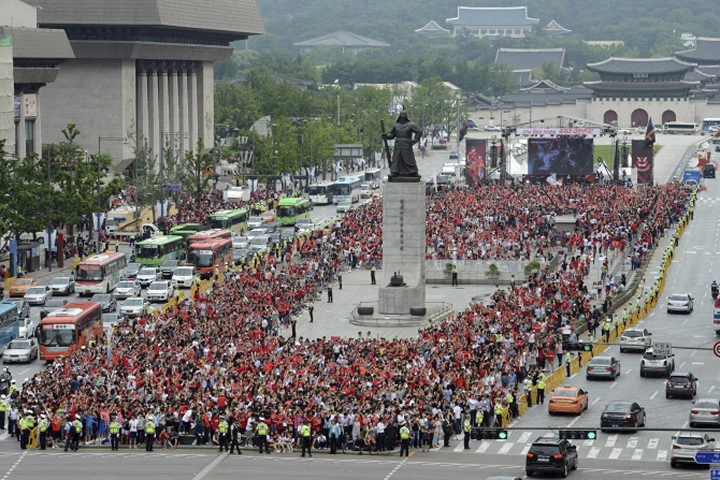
pixel 560 155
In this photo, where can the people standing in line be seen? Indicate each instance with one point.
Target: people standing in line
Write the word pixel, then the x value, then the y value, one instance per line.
pixel 149 433
pixel 306 438
pixel 404 439
pixel 114 434
pixel 261 430
pixel 372 275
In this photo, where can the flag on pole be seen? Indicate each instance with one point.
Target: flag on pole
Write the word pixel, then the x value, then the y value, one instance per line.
pixel 649 134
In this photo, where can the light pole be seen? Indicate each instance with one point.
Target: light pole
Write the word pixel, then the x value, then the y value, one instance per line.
pixel 49 203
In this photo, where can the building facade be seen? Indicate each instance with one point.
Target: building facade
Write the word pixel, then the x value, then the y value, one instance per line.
pixel 143 71
pixel 482 22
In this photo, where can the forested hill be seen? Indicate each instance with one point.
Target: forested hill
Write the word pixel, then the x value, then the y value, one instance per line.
pixel 646 26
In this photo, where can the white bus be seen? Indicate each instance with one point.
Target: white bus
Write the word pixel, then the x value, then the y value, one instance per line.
pixel 346 188
pixel 320 193
pixel 710 122
pixel 373 177
pixel 684 128
pixel 100 273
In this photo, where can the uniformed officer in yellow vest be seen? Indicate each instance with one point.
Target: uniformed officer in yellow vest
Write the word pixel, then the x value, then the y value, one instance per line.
pixel 542 379
pixel 43 426
pixel 479 417
pixel 306 438
pixel 73 442
pixel 261 430
pixel 467 427
pixel 606 329
pixel 114 434
pixel 625 316
pixel 498 410
pixel 26 425
pixel 404 439
pixel 223 434
pixel 149 433
pixel 3 412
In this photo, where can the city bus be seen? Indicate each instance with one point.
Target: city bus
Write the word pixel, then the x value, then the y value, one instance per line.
pixel 212 234
pixel 373 178
pixel 290 209
pixel 100 273
pixel 9 326
pixel 185 230
pixel 320 193
pixel 683 128
pixel 154 251
pixel 710 122
pixel 69 328
pixel 234 220
pixel 346 188
pixel 207 255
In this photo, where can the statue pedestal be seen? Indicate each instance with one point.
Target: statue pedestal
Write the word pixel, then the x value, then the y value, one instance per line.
pixel 403 247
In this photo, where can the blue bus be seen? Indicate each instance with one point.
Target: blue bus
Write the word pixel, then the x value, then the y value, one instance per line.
pixel 346 188
pixel 710 122
pixel 9 325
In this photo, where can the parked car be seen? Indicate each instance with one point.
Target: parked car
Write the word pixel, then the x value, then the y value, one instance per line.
pixel 160 291
pixel 62 285
pixel 681 384
pixel 255 232
pixel 147 275
pixel 705 411
pixel 680 302
pixel 51 305
pixel 567 399
pixel 547 455
pixel 622 414
pixel 287 233
pixel 686 444
pixel 254 222
pixel 259 243
pixel 21 351
pixel 493 128
pixel 168 267
pixel 183 277
pixel 106 301
pixel 133 269
pixel 20 286
pixel 635 339
pixel 364 190
pixel 127 289
pixel 654 363
pixel 134 307
pixel 22 307
pixel 268 216
pixel 37 295
pixel 603 367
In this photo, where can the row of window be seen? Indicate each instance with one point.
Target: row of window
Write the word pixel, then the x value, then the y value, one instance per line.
pixel 641 99
pixel 500 31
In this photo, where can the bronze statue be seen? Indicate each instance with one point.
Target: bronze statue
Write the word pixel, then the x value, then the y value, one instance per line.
pixel 406 134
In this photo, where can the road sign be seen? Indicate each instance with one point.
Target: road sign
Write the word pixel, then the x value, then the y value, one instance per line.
pixel 714 474
pixel 716 349
pixel 707 458
pixel 662 348
pixel 173 187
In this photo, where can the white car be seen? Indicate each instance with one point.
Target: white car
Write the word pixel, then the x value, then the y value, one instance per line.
pixel 127 289
pixel 183 277
pixel 254 222
pixel 364 190
pixel 21 350
pixel 26 329
pixel 635 339
pixel 686 444
pixel 344 207
pixel 147 275
pixel 37 295
pixel 134 307
pixel 255 232
pixel 160 291
pixel 680 302
pixel 240 241
pixel 304 225
pixel 493 128
pixel 62 285
pixel 259 243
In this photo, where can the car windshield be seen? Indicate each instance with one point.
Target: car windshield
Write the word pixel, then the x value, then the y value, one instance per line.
pixel 600 361
pixel 712 404
pixel 18 345
pixel 170 263
pixel 633 333
pixel 545 449
pixel 678 298
pixel 565 393
pixel 653 356
pixel 100 298
pixel 36 290
pixel 54 303
pixel 60 281
pixel 694 441
pixel 133 302
pixel 618 407
pixel 147 272
pixel 23 281
pixel 675 379
pixel 258 241
pixel 183 271
pixel 157 286
pixel 133 267
pixel 126 285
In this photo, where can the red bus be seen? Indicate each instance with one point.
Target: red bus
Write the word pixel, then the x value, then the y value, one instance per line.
pixel 69 328
pixel 212 234
pixel 100 273
pixel 205 256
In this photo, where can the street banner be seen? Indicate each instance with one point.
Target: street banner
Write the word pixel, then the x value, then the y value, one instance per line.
pixel 642 161
pixel 554 132
pixel 475 160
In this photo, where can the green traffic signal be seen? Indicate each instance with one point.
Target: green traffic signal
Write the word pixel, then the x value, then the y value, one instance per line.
pixel 502 435
pixel 591 435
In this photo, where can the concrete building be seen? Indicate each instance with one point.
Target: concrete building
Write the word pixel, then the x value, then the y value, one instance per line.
pixel 492 22
pixel 143 70
pixel 29 59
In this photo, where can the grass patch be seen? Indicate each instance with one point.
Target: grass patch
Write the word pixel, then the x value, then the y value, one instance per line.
pixel 607 153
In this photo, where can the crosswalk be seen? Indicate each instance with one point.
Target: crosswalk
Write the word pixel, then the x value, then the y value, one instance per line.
pixel 610 447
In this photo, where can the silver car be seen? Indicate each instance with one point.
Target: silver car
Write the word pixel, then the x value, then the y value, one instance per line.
pixel 635 339
pixel 19 350
pixel 680 302
pixel 603 367
pixel 705 411
pixel 656 363
pixel 127 289
pixel 686 444
pixel 37 295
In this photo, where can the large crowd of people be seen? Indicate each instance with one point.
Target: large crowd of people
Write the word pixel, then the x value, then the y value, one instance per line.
pixel 219 355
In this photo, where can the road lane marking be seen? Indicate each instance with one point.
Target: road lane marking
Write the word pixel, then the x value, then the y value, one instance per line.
pixel 483 447
pixel 505 448
pixel 692 354
pixel 711 389
pixel 525 449
pixel 614 384
pixel 460 447
pixel 653 443
pixel 615 454
pixel 573 422
pixel 593 452
pixel 610 441
pixel 637 454
pixel 596 400
pixel 632 443
pixel 524 437
pixel 682 365
pixel 628 371
pixel 652 397
pixel 662 455
pixel 698 363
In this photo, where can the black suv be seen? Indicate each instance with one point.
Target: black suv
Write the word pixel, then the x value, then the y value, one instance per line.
pixel 709 170
pixel 549 455
pixel 167 268
pixel 681 384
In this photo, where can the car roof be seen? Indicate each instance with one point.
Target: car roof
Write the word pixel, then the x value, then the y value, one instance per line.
pixel 567 387
pixel 681 374
pixel 691 434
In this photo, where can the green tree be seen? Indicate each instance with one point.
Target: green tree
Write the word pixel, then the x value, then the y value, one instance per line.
pixel 195 167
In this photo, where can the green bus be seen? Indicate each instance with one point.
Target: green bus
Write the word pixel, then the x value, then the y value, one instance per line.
pixel 290 209
pixel 154 251
pixel 186 229
pixel 233 220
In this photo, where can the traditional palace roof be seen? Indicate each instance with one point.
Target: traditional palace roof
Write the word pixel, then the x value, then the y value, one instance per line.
pixel 554 28
pixel 238 18
pixel 630 66
pixel 706 51
pixel 432 28
pixel 341 38
pixel 524 58
pixel 492 16
pixel 634 87
pixel 524 76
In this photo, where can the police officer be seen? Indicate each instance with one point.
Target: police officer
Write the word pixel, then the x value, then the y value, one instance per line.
pixel 114 434
pixel 306 438
pixel 73 440
pixel 372 275
pixel 541 388
pixel 404 439
pixel 149 433
pixel 3 410
pixel 261 429
pixel 223 434
pixel 498 409
pixel 26 424
pixel 606 330
pixel 466 431
pixel 234 432
pixel 43 426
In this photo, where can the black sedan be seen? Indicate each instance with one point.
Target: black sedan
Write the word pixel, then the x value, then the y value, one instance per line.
pixel 681 384
pixel 622 414
pixel 106 300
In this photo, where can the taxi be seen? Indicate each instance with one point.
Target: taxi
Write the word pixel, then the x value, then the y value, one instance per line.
pixel 568 400
pixel 20 286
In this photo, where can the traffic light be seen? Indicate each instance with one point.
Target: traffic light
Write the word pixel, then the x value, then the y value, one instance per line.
pixel 489 434
pixel 577 434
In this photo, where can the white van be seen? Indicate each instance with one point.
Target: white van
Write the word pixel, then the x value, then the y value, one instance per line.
pixel 364 190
